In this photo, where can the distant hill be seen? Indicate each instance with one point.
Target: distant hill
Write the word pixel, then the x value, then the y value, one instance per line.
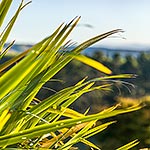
pixel 18 48
pixel 109 51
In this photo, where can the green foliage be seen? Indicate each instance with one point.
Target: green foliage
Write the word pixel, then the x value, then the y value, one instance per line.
pixel 28 122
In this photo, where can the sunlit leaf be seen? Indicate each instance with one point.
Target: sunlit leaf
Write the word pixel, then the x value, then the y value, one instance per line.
pixel 4 7
pixel 95 64
pixel 129 145
pixel 4 35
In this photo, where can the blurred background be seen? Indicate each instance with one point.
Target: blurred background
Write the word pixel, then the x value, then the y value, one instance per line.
pixel 128 52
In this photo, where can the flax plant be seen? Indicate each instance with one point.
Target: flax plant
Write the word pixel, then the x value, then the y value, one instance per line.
pixel 29 123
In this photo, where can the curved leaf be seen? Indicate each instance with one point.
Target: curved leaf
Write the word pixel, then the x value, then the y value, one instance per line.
pixel 93 63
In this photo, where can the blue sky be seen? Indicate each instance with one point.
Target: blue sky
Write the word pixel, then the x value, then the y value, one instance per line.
pixel 42 17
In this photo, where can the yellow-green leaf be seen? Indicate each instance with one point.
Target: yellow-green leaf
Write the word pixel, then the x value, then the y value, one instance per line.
pixel 93 63
pixel 129 145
